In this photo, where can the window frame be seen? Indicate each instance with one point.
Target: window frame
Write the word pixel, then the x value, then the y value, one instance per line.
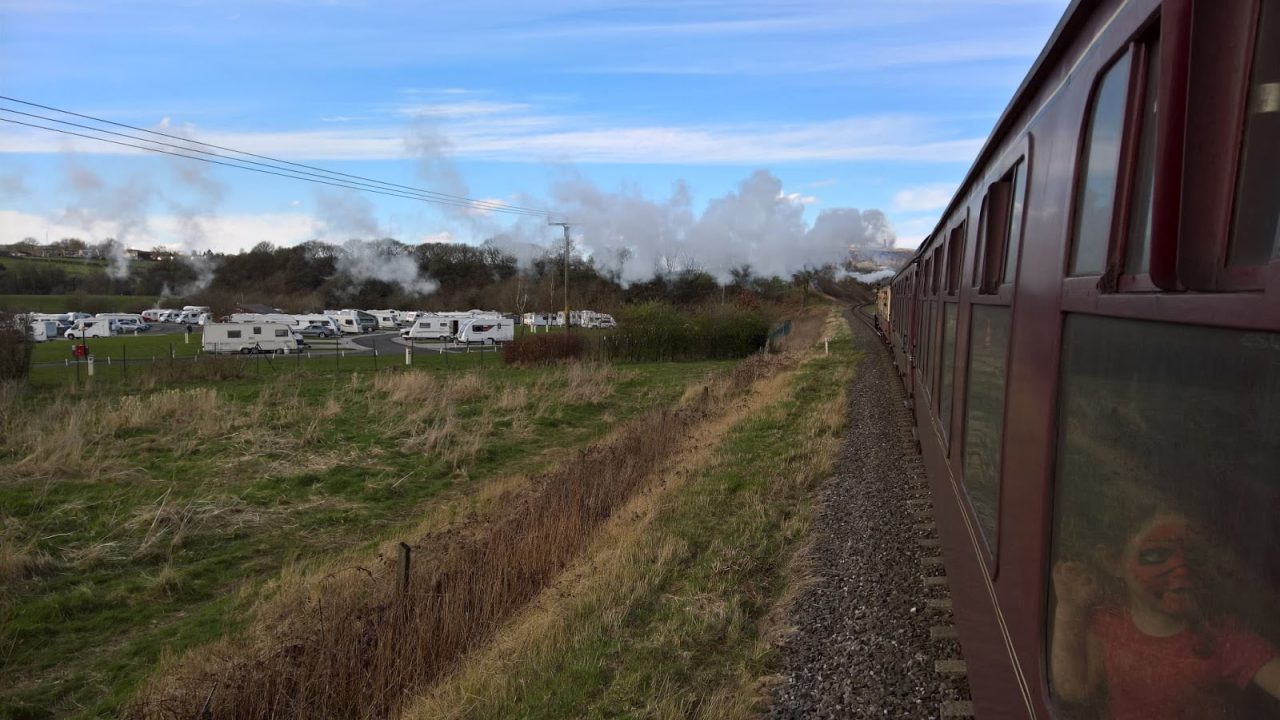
pixel 1231 29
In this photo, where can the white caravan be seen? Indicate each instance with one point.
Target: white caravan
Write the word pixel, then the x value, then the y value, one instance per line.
pixel 537 319
pixel 155 314
pixel 487 330
pixel 387 319
pixel 431 326
pixel 266 337
pixel 43 330
pixel 91 328
pixel 306 320
pixel 354 322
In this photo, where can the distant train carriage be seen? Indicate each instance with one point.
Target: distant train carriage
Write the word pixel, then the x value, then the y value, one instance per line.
pixel 1091 340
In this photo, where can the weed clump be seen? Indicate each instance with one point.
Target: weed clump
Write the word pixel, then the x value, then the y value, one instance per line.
pixel 544 349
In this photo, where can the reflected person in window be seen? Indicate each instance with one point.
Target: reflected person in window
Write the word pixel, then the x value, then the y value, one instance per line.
pixel 1145 645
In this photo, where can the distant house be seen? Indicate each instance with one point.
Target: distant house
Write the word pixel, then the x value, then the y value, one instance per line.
pixel 256 308
pixel 157 255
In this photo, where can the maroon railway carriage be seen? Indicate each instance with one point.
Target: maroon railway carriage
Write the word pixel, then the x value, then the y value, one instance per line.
pixel 1091 342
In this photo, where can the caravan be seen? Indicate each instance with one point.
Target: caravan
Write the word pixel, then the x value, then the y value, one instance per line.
pixel 353 322
pixel 487 330
pixel 386 319
pixel 43 330
pixel 250 338
pixel 431 326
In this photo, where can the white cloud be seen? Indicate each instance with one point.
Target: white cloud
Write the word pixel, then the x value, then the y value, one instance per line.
pixel 440 237
pixel 226 233
pixel 796 197
pixel 923 198
pixel 524 137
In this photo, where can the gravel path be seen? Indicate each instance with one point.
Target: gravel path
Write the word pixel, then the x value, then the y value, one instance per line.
pixel 873 631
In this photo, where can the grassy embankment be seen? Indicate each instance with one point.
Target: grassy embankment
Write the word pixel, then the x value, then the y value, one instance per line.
pixel 670 611
pixel 137 522
pixel 359 642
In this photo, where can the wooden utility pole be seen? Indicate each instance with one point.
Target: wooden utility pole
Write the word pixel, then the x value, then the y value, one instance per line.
pixel 565 225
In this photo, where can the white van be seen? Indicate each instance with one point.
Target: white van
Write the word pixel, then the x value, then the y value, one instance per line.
pixel 249 338
pixel 488 331
pixel 91 327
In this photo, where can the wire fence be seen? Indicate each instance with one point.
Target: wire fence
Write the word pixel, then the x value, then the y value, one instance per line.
pixel 88 362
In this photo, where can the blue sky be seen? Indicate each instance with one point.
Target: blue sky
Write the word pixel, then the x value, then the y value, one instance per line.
pixel 866 104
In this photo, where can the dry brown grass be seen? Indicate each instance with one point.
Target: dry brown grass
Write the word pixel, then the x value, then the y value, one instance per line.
pixel 352 645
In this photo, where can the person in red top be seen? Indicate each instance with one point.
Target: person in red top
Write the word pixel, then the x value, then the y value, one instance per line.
pixel 1148 648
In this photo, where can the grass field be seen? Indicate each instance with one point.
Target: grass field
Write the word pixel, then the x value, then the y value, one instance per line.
pixel 72 266
pixel 75 303
pixel 140 518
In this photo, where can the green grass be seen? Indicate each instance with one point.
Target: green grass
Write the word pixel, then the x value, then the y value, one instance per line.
pixel 72 266
pixel 138 522
pixel 75 302
pixel 674 624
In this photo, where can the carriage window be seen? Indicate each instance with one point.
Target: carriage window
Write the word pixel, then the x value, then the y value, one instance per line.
pixel 955 258
pixel 978 257
pixel 1138 249
pixel 984 413
pixel 1256 237
pixel 1018 181
pixel 257 331
pixel 233 333
pixel 948 365
pixel 282 333
pixel 1095 197
pixel 1165 578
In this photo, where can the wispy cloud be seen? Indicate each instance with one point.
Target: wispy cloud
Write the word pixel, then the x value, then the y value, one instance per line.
pixel 533 138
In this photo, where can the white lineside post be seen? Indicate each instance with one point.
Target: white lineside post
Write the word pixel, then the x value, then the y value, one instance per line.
pixel 408 357
pixel 826 346
pixel 90 366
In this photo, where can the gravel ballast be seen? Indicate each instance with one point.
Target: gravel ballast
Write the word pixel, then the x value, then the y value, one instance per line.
pixel 873 634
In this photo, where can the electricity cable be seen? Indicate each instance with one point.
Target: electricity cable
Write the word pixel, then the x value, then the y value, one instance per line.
pixel 434 196
pixel 334 183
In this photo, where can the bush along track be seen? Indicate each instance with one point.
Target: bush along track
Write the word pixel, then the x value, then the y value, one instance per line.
pixel 365 640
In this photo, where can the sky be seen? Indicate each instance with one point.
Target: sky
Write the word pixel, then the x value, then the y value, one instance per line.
pixel 829 104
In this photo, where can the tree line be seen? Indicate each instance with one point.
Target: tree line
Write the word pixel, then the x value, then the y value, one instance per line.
pixel 315 275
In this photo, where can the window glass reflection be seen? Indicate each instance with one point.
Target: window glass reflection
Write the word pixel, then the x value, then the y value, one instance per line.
pixel 1165 575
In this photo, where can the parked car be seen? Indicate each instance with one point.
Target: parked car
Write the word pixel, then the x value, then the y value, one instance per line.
pixel 315 330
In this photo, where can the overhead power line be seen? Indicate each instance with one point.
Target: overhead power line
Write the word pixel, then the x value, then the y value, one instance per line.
pixel 272 166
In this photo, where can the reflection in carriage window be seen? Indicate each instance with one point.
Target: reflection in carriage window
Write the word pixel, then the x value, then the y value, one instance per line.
pixel 1165 578
pixel 984 413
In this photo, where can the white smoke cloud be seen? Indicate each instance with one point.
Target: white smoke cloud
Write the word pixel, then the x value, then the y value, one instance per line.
pixel 345 214
pixel 384 260
pixel 97 205
pixel 759 225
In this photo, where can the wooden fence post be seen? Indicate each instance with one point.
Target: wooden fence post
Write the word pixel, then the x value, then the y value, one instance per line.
pixel 403 575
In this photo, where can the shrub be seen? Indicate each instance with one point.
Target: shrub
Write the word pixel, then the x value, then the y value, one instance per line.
pixel 659 332
pixel 15 348
pixel 544 349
